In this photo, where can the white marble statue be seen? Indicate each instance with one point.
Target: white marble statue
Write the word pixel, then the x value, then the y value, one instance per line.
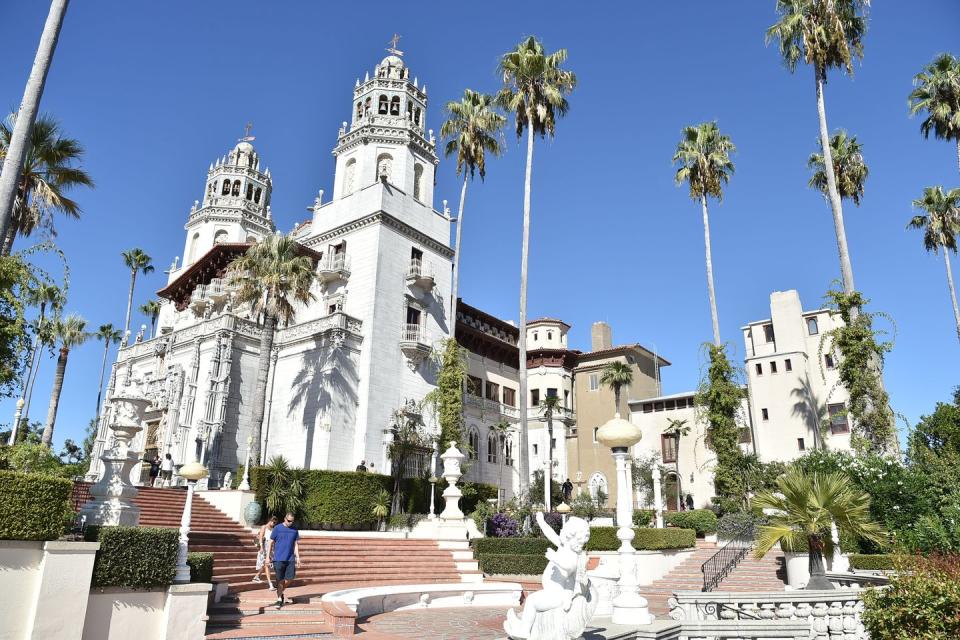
pixel 561 610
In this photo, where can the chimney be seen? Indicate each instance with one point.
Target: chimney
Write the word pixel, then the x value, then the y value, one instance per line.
pixel 601 336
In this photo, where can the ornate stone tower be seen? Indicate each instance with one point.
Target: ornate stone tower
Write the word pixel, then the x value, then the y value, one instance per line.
pixel 385 140
pixel 236 203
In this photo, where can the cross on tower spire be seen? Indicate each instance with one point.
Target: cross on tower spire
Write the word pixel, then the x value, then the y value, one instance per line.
pixel 393 45
pixel 246 133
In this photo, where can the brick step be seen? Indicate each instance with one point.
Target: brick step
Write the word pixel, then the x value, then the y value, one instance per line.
pixel 224 608
pixel 346 574
pixel 334 584
pixel 260 619
pixel 351 563
pixel 298 631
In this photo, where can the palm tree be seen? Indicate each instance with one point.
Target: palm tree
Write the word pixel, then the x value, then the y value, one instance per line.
pixel 109 335
pixel 616 375
pixel 548 407
pixel 704 158
pixel 501 432
pixel 48 174
pixel 69 332
pixel 534 88
pixel 940 225
pixel 848 167
pixel 138 262
pixel 473 129
pixel 151 309
pixel 679 429
pixel 270 276
pixel 824 34
pixel 803 508
pixel 44 295
pixel 937 93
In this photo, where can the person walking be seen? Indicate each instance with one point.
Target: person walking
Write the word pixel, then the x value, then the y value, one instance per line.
pixel 285 545
pixel 154 470
pixel 166 471
pixel 362 467
pixel 263 538
pixel 567 488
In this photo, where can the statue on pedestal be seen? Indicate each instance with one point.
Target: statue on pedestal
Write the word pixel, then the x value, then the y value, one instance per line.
pixel 568 600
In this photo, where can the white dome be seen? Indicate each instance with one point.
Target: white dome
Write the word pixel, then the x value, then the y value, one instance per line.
pixel 392 61
pixel 244 147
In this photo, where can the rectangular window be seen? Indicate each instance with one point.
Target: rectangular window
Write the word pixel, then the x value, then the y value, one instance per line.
pixel 768 332
pixel 773 366
pixel 670 405
pixel 838 418
pixel 648 407
pixel 413 316
pixel 788 365
pixel 764 414
pixel 658 406
pixel 668 447
pixel 534 397
pixel 595 429
pixel 566 399
pixel 493 391
pixel 594 381
pixel 759 369
pixel 812 327
pixel 474 386
pixel 535 449
pixel 745 436
pixel 551 393
pixel 416 254
pixel 509 397
pixel 801 445
pixel 828 361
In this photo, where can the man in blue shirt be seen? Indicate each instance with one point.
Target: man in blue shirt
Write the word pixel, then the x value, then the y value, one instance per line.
pixel 284 542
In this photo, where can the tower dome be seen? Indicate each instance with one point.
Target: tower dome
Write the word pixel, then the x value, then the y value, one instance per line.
pixel 243 147
pixel 392 61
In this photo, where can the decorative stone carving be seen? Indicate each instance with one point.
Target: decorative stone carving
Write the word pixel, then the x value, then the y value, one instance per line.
pixel 568 600
pixel 451 473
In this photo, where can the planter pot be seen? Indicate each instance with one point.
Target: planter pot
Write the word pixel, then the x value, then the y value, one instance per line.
pixel 798 569
pixel 252 513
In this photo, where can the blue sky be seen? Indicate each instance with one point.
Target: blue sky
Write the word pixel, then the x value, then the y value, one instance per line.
pixel 156 91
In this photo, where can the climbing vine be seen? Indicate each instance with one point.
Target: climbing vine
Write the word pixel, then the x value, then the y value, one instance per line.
pixel 447 399
pixel 860 369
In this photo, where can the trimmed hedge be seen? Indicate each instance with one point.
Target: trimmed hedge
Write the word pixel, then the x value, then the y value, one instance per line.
pixel 135 557
pixel 201 566
pixel 513 564
pixel 703 521
pixel 510 546
pixel 873 562
pixel 34 506
pixel 643 517
pixel 605 539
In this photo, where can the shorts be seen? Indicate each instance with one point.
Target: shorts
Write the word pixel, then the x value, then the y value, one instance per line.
pixel 284 570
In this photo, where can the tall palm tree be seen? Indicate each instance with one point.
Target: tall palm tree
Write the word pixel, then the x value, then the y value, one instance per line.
pixel 848 166
pixel 678 429
pixel 803 508
pixel 548 407
pixel 69 332
pixel 535 85
pixel 49 172
pixel 501 432
pixel 616 375
pixel 473 130
pixel 45 295
pixel 271 276
pixel 941 225
pixel 138 262
pixel 703 155
pixel 151 309
pixel 109 335
pixel 824 34
pixel 937 93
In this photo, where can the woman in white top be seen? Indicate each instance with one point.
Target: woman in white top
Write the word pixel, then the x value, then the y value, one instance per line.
pixel 263 563
pixel 166 471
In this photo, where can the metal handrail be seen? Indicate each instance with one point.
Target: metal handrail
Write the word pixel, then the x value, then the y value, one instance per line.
pixel 413 333
pixel 726 559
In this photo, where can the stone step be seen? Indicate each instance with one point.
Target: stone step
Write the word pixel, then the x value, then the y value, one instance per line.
pixel 304 631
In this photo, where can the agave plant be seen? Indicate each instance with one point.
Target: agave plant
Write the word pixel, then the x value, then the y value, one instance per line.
pixel 381 507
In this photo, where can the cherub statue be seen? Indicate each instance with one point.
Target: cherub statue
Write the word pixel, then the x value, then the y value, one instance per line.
pixel 561 610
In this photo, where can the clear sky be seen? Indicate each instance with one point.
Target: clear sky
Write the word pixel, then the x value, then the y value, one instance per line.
pixel 157 90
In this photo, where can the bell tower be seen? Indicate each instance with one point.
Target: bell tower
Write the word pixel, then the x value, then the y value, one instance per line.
pixel 236 202
pixel 386 139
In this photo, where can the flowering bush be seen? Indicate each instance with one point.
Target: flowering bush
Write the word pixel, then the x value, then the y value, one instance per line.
pixel 502 526
pixel 921 603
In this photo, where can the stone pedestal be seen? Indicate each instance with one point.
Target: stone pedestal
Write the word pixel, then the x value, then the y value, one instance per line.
pixel 113 494
pixel 629 607
pixel 451 473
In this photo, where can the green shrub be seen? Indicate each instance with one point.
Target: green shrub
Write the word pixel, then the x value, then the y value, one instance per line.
pixel 135 557
pixel 605 539
pixel 405 520
pixel 703 521
pixel 643 517
pixel 921 603
pixel 510 546
pixel 201 566
pixel 513 564
pixel 34 507
pixel 583 506
pixel 872 562
pixel 731 525
pixel 341 498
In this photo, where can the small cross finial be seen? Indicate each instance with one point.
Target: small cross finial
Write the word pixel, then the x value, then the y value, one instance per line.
pixel 393 45
pixel 246 133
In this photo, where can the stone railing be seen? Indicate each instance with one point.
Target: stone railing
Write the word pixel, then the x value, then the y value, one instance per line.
pixel 718 630
pixel 827 614
pixel 560 413
pixel 858 580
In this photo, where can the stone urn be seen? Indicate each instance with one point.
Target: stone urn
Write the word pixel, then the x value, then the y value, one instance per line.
pixel 451 473
pixel 252 513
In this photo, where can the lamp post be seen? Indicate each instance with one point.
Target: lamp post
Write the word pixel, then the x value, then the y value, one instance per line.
pixel 657 498
pixel 433 482
pixel 245 485
pixel 629 607
pixel 191 472
pixel 547 473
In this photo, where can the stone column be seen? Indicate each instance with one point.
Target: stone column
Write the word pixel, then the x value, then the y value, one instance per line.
pixel 657 497
pixel 629 607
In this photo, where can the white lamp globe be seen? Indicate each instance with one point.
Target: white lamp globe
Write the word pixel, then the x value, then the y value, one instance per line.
pixel 618 433
pixel 193 471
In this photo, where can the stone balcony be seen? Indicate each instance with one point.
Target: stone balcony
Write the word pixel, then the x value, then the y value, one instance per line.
pixel 420 274
pixel 491 409
pixel 333 268
pixel 414 344
pixel 560 414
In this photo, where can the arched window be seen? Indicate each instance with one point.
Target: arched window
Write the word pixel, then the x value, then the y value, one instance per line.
pixel 417 181
pixel 220 236
pixel 473 439
pixel 359 109
pixel 348 176
pixel 256 195
pixel 192 253
pixel 210 187
pixel 409 110
pixel 249 192
pixel 366 106
pixel 225 191
pixel 236 188
pixel 508 452
pixel 598 488
pixel 492 447
pixel 384 166
pixel 395 106
pixel 416 116
pixel 252 239
pixel 382 107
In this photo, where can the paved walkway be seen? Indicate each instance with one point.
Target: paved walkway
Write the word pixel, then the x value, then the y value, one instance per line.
pixel 478 623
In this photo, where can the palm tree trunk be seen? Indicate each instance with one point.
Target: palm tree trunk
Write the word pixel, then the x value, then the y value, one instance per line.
pixel 502 453
pixel 616 399
pixel 20 137
pixel 710 290
pixel 846 268
pixel 153 326
pixel 454 289
pixel 103 368
pixel 953 291
pixel 126 322
pixel 818 578
pixel 260 392
pixel 524 436
pixel 30 366
pixel 8 239
pixel 55 397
